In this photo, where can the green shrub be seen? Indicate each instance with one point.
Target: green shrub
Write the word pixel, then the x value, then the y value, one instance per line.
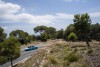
pixel 72 58
pixel 72 36
pixel 44 37
pixel 90 51
pixel 3 60
pixel 54 49
pixel 75 50
pixel 53 60
pixel 65 63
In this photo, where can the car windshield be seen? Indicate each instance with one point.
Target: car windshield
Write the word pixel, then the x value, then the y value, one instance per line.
pixel 30 46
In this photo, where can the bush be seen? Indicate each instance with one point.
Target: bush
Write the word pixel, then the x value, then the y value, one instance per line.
pixel 90 51
pixel 3 60
pixel 72 36
pixel 53 60
pixel 44 37
pixel 72 57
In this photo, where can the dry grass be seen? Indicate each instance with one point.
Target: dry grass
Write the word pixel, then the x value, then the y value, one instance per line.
pixel 60 54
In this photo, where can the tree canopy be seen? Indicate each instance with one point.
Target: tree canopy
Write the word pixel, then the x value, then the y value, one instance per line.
pixel 60 34
pixel 22 36
pixel 95 31
pixel 40 29
pixel 68 30
pixel 10 48
pixel 2 35
pixel 51 31
pixel 82 24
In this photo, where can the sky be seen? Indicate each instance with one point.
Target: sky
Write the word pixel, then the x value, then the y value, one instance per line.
pixel 27 14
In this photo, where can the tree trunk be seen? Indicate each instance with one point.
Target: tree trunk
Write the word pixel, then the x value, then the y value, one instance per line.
pixel 11 61
pixel 87 42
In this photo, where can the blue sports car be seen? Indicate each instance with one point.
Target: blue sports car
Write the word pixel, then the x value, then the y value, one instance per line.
pixel 29 48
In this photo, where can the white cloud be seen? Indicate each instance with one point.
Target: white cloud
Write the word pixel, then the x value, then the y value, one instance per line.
pixel 5 27
pixel 64 16
pixel 8 7
pixel 10 12
pixel 25 17
pixel 95 14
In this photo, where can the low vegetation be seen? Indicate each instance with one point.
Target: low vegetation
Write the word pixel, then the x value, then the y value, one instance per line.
pixel 90 51
pixel 72 57
pixel 61 54
pixel 57 55
pixel 72 36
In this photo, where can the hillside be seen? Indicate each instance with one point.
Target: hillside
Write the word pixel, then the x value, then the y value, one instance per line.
pixel 65 54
